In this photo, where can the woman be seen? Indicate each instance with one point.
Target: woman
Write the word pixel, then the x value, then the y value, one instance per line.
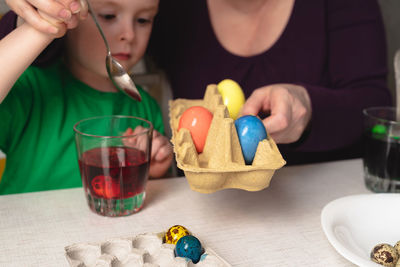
pixel 313 65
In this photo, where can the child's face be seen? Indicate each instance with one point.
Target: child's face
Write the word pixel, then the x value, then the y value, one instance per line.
pixel 127 26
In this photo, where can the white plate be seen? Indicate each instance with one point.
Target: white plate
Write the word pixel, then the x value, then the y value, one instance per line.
pixel 355 224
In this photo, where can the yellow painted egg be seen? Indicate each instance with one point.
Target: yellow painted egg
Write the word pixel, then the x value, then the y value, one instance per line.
pixel 174 233
pixel 232 95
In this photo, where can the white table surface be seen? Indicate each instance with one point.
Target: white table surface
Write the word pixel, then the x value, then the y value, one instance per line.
pixel 278 226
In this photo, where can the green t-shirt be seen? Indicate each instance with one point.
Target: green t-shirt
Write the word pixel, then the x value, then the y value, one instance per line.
pixel 36 126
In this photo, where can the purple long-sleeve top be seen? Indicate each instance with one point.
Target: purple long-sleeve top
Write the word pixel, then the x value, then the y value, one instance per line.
pixel 334 48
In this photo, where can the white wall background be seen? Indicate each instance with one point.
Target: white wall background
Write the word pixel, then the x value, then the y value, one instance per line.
pixel 390 11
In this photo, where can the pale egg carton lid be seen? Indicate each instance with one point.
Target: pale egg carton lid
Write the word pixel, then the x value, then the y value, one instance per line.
pixel 143 250
pixel 221 164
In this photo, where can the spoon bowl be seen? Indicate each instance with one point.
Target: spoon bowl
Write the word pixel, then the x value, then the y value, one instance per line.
pixel 117 74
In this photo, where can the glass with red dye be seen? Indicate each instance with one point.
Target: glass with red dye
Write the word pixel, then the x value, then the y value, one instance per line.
pixel 114 164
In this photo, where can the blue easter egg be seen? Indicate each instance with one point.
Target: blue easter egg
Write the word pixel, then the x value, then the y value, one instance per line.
pixel 251 131
pixel 189 246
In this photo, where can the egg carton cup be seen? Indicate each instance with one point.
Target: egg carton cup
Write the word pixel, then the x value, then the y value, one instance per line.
pixel 221 164
pixel 143 250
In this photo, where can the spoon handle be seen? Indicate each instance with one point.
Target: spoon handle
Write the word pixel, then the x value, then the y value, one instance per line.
pixel 97 24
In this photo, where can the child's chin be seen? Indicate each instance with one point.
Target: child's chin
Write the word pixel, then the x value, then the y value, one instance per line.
pixel 128 66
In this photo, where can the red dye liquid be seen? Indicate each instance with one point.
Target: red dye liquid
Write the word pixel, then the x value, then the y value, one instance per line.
pixel 133 95
pixel 114 172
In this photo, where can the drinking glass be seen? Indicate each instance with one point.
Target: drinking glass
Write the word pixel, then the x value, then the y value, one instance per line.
pixel 382 150
pixel 114 158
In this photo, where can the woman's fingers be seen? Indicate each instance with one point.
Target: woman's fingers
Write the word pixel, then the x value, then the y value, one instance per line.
pixel 289 107
pixel 78 10
pixel 281 111
pixel 28 13
pixel 83 13
pixel 257 101
pixel 67 11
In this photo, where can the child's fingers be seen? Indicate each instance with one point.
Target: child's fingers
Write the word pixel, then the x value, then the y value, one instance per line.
pixel 155 146
pixel 128 131
pixel 139 129
pixel 134 138
pixel 130 141
pixel 163 153
pixel 156 143
pixel 161 148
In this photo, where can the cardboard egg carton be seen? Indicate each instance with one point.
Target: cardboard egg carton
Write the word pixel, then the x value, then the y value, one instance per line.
pixel 221 165
pixel 144 250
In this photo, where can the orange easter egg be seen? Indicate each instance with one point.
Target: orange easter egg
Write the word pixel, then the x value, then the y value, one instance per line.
pixel 197 120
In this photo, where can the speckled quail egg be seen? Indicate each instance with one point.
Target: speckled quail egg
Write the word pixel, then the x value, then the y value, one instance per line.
pixel 174 233
pixel 397 247
pixel 384 254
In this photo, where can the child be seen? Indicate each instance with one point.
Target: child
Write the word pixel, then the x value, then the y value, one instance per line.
pixel 39 106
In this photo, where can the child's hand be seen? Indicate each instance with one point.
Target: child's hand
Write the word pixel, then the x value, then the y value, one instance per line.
pixel 161 155
pixel 68 11
pixel 161 150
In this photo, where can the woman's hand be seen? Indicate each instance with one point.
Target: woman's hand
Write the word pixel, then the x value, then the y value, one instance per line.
pixel 68 11
pixel 289 106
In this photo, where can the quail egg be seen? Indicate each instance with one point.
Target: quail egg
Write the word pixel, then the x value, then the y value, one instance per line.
pixel 384 254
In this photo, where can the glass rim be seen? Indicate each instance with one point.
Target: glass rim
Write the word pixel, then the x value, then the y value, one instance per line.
pixel 115 136
pixel 366 112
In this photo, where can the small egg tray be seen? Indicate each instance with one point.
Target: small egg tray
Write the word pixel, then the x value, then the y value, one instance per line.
pixel 147 250
pixel 221 164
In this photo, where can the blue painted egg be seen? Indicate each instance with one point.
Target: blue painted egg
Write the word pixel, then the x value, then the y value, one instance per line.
pixel 251 131
pixel 189 246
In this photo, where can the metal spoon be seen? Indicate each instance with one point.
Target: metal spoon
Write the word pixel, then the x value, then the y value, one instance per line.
pixel 119 77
